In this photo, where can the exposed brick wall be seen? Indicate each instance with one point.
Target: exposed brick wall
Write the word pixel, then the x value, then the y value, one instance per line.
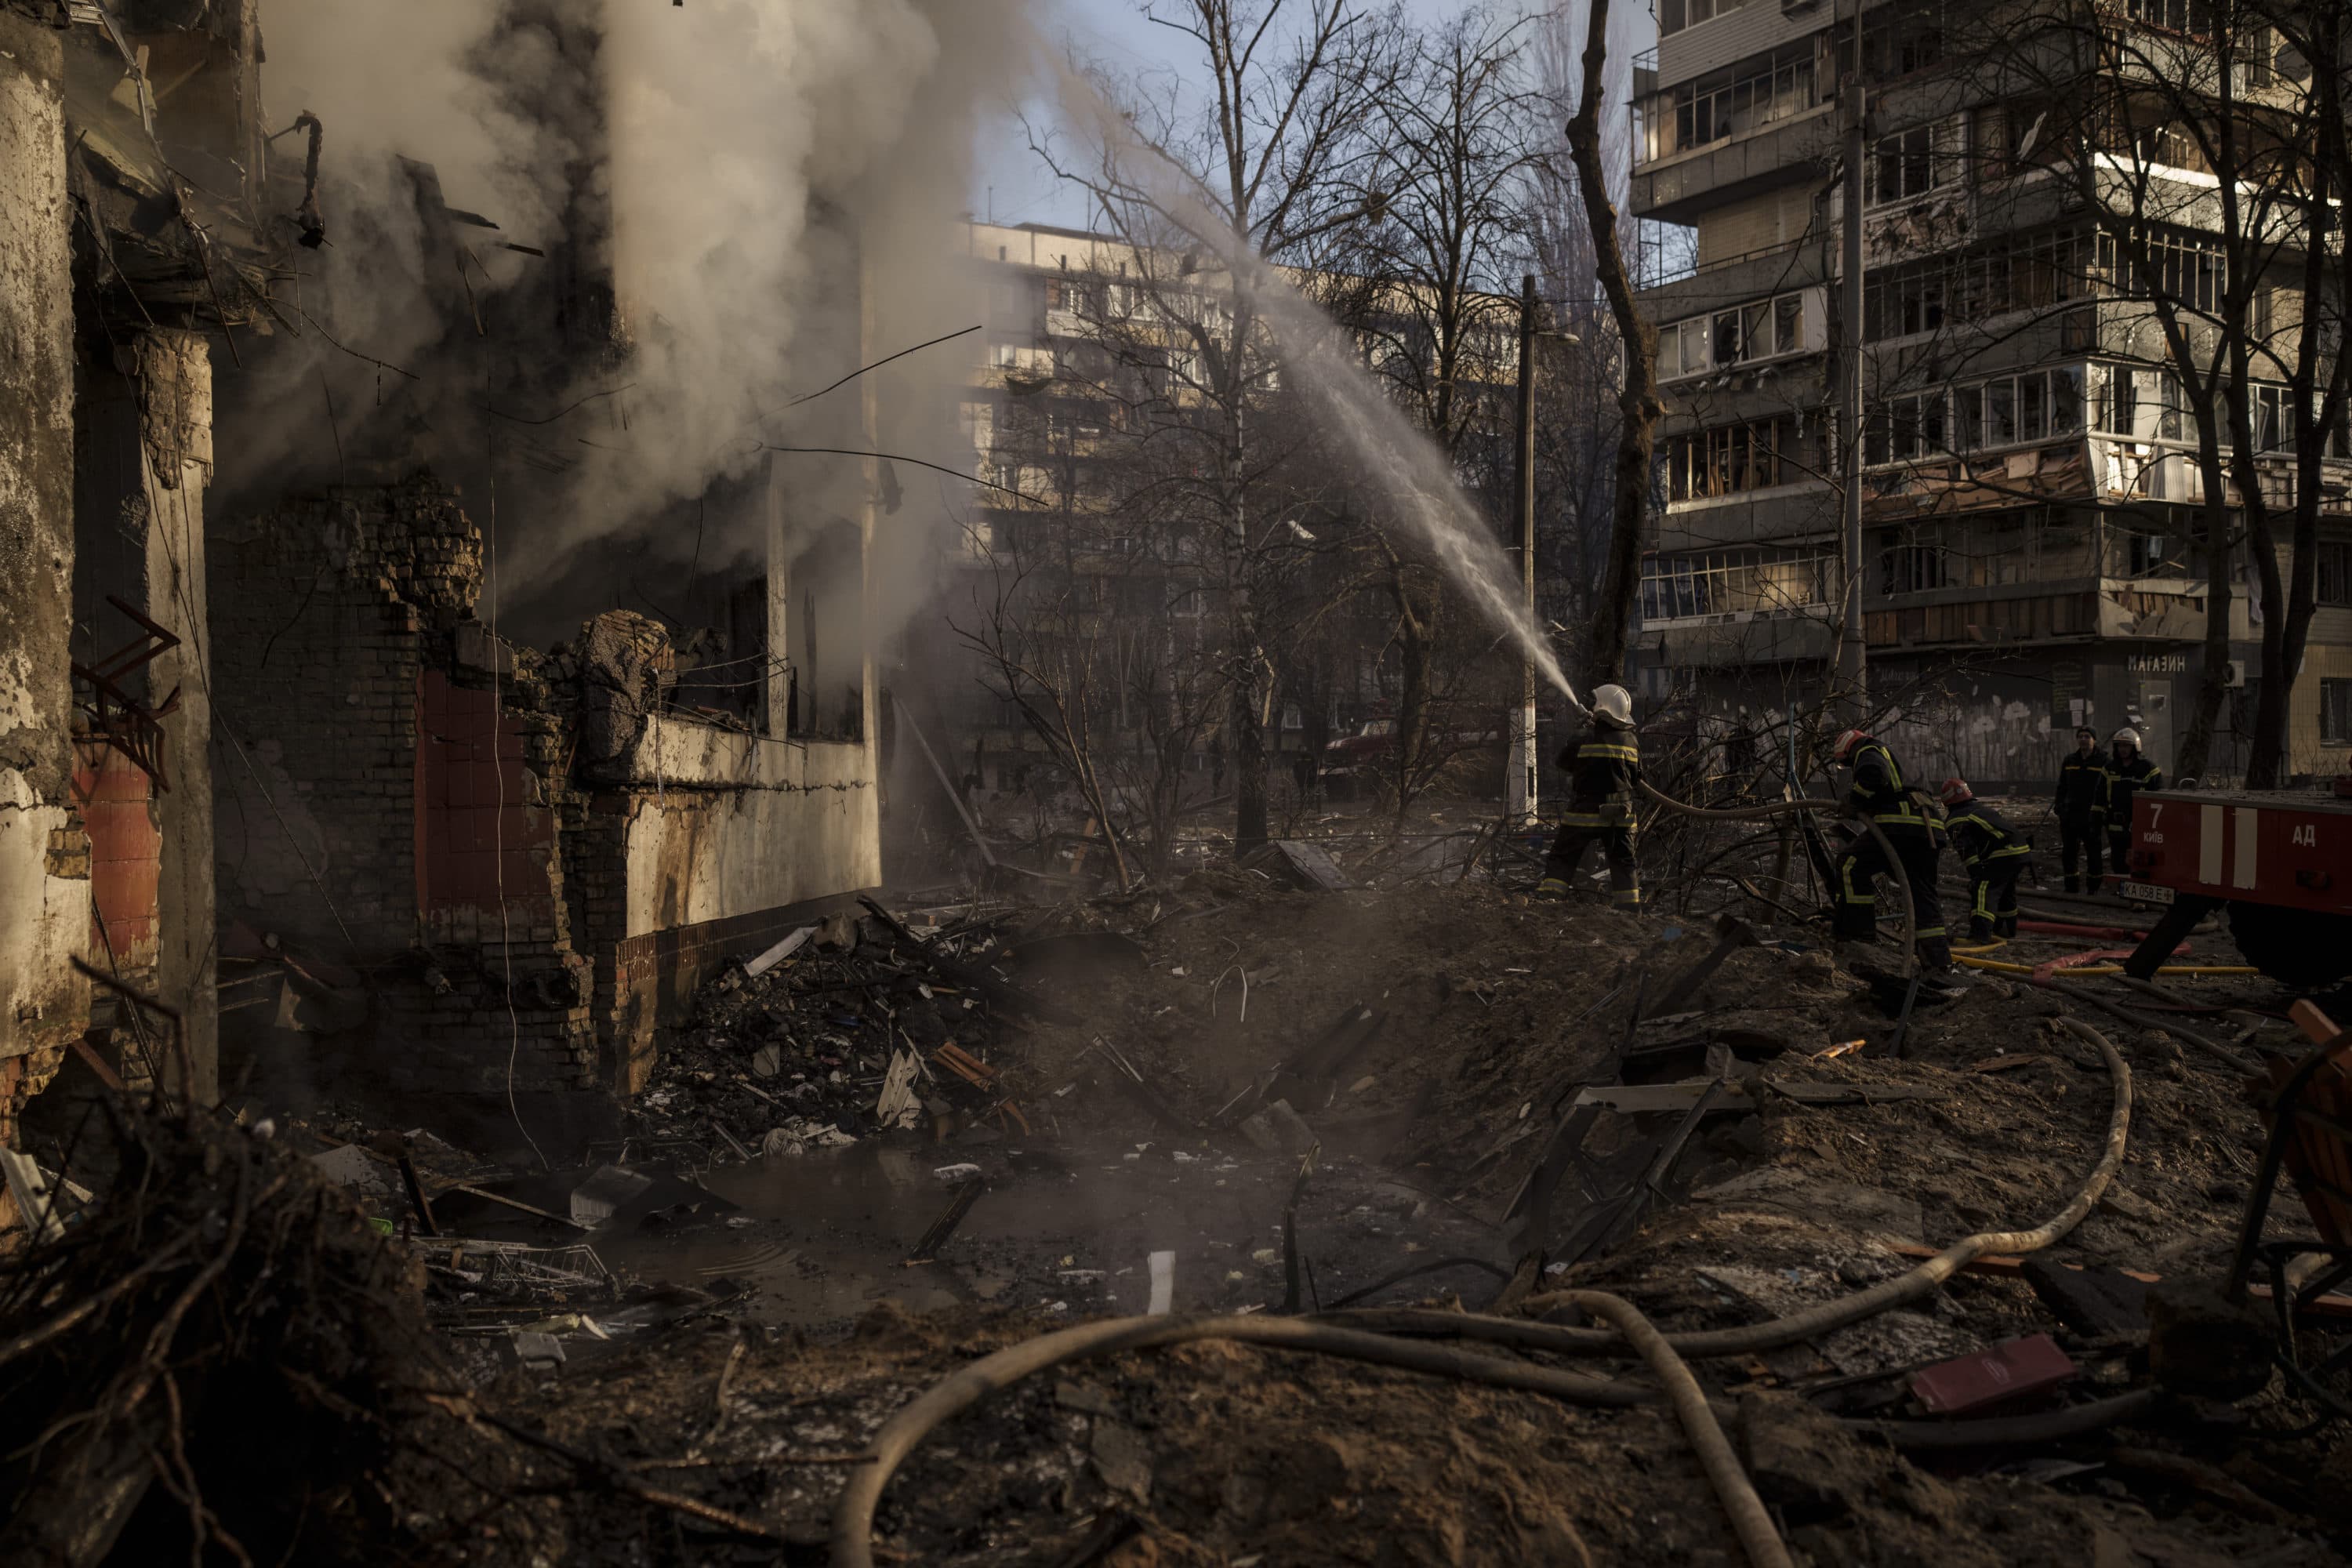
pixel 335 620
pixel 322 611
pixel 400 797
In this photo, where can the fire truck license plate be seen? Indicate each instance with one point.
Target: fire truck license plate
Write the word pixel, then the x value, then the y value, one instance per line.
pixel 2147 892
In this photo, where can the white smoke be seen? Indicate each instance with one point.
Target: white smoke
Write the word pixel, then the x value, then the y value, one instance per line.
pixel 784 181
pixel 728 119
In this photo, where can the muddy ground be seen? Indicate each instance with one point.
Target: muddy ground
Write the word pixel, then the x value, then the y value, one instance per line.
pixel 1425 1038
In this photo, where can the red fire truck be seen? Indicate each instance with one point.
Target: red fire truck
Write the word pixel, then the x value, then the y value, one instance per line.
pixel 2279 860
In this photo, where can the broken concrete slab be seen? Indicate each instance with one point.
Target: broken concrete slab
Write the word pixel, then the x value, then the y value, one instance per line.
pixel 605 1192
pixel 353 1167
pixel 778 954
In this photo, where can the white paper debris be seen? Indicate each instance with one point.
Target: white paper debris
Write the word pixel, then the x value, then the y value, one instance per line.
pixel 1163 1283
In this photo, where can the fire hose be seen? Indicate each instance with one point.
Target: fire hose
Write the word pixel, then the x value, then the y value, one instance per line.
pixel 853 1524
pixel 1628 1332
pixel 1790 808
pixel 1814 1321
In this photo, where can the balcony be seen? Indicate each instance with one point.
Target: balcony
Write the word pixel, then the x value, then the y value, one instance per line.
pixel 1755 125
pixel 1802 510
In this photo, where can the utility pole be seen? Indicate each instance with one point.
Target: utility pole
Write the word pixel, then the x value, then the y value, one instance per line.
pixel 1852 673
pixel 1520 789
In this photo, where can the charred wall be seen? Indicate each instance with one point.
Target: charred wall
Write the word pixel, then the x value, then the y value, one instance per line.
pixel 394 808
pixel 142 464
pixel 44 864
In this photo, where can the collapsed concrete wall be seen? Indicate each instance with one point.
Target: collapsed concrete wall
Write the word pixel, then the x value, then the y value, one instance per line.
pixel 515 856
pixel 709 843
pixel 44 862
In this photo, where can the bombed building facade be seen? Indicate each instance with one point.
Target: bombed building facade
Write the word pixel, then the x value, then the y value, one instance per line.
pixel 2033 508
pixel 272 764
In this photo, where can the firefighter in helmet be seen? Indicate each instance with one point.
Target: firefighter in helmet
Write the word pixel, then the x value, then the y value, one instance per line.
pixel 1878 792
pixel 1604 770
pixel 2126 774
pixel 1994 853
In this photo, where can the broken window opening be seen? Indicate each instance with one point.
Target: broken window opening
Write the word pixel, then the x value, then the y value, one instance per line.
pixel 824 638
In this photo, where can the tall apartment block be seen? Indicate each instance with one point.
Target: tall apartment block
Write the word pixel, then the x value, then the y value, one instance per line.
pixel 2030 490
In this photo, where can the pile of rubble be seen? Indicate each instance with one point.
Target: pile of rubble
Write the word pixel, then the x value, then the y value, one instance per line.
pixel 845 1028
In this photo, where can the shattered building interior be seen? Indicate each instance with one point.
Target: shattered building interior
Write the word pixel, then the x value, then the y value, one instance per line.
pixel 526 1041
pixel 412 818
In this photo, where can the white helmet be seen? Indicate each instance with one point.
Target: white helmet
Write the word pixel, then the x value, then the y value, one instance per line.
pixel 1615 704
pixel 2126 736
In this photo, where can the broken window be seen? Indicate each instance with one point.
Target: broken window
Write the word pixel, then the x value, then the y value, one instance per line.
pixel 1898 40
pixel 1726 338
pixel 2334 712
pixel 2188 269
pixel 1905 566
pixel 2334 564
pixel 1902 301
pixel 1745 97
pixel 2033 406
pixel 2177 15
pixel 1906 428
pixel 2274 419
pixel 1725 462
pixel 1903 165
pixel 824 638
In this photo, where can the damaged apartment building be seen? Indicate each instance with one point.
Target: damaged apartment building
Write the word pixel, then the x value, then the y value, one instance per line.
pixel 2031 547
pixel 269 765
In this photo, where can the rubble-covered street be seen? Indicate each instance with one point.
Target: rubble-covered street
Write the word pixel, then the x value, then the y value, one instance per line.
pixel 922 1134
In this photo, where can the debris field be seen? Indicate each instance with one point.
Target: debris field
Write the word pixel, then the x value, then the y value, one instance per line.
pixel 1422 1117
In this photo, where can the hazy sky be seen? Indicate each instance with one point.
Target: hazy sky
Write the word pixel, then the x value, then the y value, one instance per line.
pixel 1115 32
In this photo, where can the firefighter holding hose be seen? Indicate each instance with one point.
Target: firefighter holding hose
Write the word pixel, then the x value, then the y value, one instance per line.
pixel 1604 771
pixel 1994 853
pixel 1878 793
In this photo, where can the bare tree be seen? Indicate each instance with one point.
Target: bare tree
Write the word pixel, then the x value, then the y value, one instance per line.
pixel 1249 178
pixel 1088 621
pixel 1577 414
pixel 1424 283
